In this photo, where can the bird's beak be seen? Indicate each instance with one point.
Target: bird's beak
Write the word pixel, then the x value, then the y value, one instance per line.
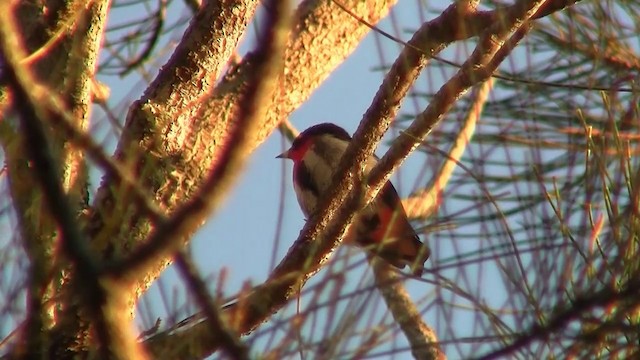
pixel 284 155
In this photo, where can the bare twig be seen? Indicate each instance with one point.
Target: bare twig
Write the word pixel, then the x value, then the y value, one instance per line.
pixel 230 342
pixel 153 40
pixel 604 298
pixel 423 203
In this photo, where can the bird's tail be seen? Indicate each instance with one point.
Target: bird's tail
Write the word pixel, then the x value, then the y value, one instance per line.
pixel 402 252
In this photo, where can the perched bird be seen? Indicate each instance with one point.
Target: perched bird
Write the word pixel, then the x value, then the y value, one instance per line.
pixel 381 228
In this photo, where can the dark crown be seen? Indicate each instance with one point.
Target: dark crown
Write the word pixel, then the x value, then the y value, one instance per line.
pixel 325 129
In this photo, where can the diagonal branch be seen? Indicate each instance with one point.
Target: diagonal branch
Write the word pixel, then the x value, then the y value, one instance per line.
pixel 422 338
pixel 493 47
pixel 166 238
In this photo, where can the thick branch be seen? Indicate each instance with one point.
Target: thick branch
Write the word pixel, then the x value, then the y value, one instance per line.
pixel 422 338
pixel 165 239
pixel 159 123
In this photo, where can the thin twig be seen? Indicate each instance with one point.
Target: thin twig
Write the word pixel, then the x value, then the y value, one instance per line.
pixel 230 342
pixel 425 202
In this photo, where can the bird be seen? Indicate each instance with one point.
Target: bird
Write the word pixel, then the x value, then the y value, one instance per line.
pixel 382 228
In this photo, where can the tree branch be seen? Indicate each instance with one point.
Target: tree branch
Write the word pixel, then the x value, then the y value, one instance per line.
pixel 422 338
pixel 604 298
pixel 47 174
pixel 167 237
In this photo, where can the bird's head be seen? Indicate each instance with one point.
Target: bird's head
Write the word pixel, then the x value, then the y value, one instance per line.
pixel 321 133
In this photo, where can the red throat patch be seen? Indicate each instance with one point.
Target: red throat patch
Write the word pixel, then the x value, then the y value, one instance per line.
pixel 297 153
